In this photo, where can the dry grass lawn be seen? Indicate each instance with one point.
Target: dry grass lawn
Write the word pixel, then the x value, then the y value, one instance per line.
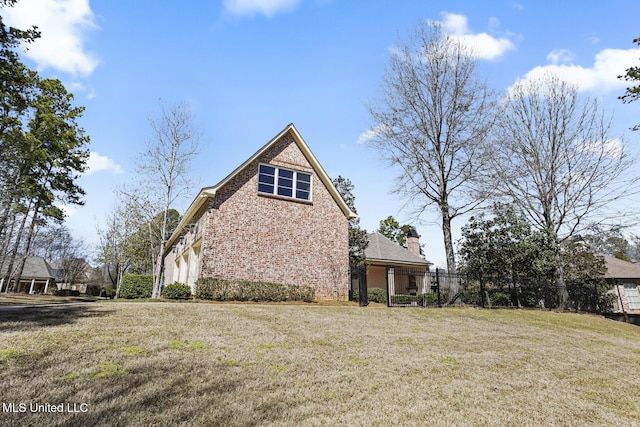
pixel 173 364
pixel 26 299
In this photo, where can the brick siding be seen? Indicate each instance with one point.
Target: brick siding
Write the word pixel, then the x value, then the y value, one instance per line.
pixel 250 236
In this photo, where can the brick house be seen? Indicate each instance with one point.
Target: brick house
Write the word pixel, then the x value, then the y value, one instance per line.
pixel 277 218
pixel 625 278
pixel 397 270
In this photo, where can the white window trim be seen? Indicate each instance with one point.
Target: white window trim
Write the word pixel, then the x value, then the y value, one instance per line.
pixel 631 290
pixel 295 182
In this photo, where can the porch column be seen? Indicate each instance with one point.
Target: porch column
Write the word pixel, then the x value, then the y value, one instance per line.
pixel 1 283
pixel 391 284
pixel 33 282
pixel 425 282
pixel 46 286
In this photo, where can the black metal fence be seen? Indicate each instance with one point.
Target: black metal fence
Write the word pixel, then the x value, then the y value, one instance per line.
pixel 421 288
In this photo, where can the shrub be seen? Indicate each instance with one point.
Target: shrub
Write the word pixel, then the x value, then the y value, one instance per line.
pixel 66 293
pixel 432 298
pixel 93 290
pixel 176 290
pixel 500 299
pixel 377 295
pixel 108 292
pixel 404 299
pixel 374 295
pixel 136 286
pixel 213 288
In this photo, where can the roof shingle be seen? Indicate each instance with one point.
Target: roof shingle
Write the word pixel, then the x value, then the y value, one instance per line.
pixel 382 249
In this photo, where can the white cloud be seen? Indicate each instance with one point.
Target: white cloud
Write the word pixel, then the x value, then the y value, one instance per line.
pixel 63 25
pixel 371 134
pixel 612 148
pixel 265 7
pixel 97 163
pixel 484 45
pixel 560 56
pixel 601 77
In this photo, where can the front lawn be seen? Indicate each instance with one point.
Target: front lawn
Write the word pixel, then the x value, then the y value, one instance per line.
pixel 140 364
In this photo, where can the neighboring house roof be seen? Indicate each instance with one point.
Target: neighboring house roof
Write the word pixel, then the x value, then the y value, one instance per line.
pixel 620 269
pixel 57 268
pixel 35 267
pixel 383 250
pixel 208 192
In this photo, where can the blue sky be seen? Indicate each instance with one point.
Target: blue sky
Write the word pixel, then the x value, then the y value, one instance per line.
pixel 248 68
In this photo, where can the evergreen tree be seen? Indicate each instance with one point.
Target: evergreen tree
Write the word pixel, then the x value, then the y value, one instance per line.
pixel 632 93
pixel 357 237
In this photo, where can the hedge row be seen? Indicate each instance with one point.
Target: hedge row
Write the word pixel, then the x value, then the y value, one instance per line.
pixel 422 299
pixel 373 294
pixel 135 286
pixel 176 290
pixel 211 288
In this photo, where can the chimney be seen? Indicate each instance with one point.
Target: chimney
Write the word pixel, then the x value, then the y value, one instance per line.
pixel 413 241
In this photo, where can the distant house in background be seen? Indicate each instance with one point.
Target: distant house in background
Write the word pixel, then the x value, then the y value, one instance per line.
pixel 71 273
pixel 276 218
pixel 37 275
pixel 395 269
pixel 625 278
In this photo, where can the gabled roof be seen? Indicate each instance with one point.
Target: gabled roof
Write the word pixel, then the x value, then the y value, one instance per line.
pixel 620 269
pixel 208 192
pixel 381 249
pixel 35 267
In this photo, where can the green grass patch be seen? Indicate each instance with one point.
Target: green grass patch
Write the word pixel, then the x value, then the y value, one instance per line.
pixel 177 345
pixel 199 345
pixel 106 369
pixel 10 353
pixel 132 350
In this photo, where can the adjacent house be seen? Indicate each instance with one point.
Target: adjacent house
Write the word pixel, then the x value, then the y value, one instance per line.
pixel 625 277
pixel 37 275
pixel 277 218
pixel 398 270
pixel 71 273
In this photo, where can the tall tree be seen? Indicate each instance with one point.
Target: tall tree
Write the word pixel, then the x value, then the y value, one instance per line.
pixel 118 248
pixel 58 156
pixel 16 89
pixel 503 246
pixel 555 161
pixel 165 169
pixel 432 119
pixel 357 237
pixel 391 229
pixel 632 93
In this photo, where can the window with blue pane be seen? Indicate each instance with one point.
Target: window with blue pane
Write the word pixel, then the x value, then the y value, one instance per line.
pixel 284 182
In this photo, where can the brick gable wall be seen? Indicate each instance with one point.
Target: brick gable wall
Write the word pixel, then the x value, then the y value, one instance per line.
pixel 256 237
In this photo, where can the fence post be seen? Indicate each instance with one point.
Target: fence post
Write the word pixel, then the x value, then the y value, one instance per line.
pixel 481 290
pixel 438 286
pixel 515 290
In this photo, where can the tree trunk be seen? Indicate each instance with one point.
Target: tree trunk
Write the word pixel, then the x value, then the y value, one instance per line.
pixel 14 254
pixel 27 247
pixel 157 283
pixel 448 241
pixel 561 288
pixel 159 273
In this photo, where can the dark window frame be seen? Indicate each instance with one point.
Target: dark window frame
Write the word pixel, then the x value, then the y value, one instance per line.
pixel 285 182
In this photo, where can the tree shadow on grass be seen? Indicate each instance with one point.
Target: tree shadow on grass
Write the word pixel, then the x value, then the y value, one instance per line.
pixel 166 394
pixel 24 319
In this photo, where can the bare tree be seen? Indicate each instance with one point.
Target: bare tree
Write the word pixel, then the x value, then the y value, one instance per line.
pixel 431 122
pixel 117 250
pixel 165 168
pixel 554 159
